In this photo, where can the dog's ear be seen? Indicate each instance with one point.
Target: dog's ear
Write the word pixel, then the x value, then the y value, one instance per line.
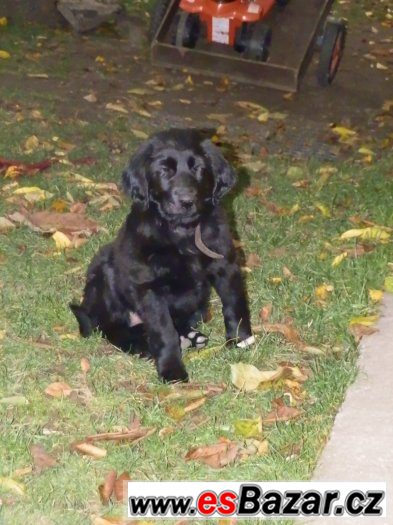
pixel 134 177
pixel 223 172
pixel 84 321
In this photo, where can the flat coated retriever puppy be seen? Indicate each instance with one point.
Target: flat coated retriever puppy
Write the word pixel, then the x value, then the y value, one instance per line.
pixel 149 288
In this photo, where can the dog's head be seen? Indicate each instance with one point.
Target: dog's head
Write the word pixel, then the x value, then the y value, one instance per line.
pixel 179 172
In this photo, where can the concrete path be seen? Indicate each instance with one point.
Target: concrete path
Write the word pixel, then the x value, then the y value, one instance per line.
pixel 361 443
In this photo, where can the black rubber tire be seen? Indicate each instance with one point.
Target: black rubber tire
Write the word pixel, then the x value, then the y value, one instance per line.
pixel 187 29
pixel 157 14
pixel 242 37
pixel 259 42
pixel 331 52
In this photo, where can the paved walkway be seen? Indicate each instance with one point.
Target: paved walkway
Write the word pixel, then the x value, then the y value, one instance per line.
pixel 361 443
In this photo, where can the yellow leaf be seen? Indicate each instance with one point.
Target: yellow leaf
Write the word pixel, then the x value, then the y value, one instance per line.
pixel 116 107
pixel 100 59
pixel 339 259
pixel 3 21
pixel 11 484
pixel 248 377
pixel 322 292
pixel 31 143
pixel 371 233
pixel 4 54
pixel 343 132
pixel 61 240
pixel 33 193
pixel 275 280
pixel 323 209
pixel 366 151
pixel 375 295
pixel 388 284
pixel 295 172
pixel 364 320
pixel 139 134
pixel 248 427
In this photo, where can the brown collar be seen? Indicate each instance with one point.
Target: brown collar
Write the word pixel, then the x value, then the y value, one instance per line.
pixel 202 246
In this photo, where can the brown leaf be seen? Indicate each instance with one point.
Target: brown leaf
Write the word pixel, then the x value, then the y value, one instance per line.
pixel 281 412
pixel 42 460
pixel 105 490
pixel 359 330
pixel 68 223
pixel 85 365
pixel 253 261
pixel 120 488
pixel 291 334
pixel 58 389
pixel 87 449
pixel 217 455
pixel 134 435
pixel 265 312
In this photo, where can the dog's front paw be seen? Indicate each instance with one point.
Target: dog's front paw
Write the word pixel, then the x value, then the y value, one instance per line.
pixel 193 339
pixel 246 343
pixel 172 370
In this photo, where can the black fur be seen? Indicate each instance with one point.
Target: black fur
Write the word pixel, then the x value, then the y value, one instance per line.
pixel 153 267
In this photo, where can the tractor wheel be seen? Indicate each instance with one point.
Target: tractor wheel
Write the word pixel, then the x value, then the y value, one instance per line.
pixel 187 29
pixel 157 14
pixel 332 50
pixel 259 42
pixel 242 37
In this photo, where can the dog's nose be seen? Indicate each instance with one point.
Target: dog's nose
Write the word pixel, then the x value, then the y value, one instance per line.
pixel 187 203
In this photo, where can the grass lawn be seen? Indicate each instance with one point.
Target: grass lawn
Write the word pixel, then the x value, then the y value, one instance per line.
pixel 288 215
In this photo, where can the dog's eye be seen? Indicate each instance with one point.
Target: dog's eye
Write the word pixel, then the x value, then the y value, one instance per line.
pixel 197 168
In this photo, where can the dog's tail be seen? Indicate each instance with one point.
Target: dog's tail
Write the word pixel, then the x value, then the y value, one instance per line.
pixel 85 323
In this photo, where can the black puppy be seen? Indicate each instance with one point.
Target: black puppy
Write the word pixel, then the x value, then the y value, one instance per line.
pixel 147 290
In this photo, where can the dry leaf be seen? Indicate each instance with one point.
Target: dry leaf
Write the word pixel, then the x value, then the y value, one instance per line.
pixel 371 233
pixel 216 456
pixel 323 291
pixel 116 107
pixel 120 489
pixel 42 460
pixel 248 428
pixel 291 334
pixel 281 412
pixel 87 449
pixel 248 377
pixel 359 330
pixel 253 261
pixel 133 435
pixel 12 485
pixel 339 259
pixel 58 389
pixel 4 54
pixel 364 320
pixel 265 312
pixel 375 295
pixel 6 225
pixel 106 489
pixel 61 240
pixel 85 365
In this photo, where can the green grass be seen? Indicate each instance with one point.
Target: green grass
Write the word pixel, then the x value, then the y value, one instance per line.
pixel 36 286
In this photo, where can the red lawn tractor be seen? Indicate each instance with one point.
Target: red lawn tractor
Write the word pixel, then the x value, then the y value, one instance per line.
pixel 245 26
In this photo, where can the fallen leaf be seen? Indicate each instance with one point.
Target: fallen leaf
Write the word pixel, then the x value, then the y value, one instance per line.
pixel 106 489
pixel 375 295
pixel 371 233
pixel 323 291
pixel 61 240
pixel 388 283
pixel 139 134
pixel 291 334
pixel 33 193
pixel 281 412
pixel 359 330
pixel 31 144
pixel 6 225
pixel 58 389
pixel 88 449
pixel 339 259
pixel 116 107
pixel 265 312
pixel 364 320
pixel 120 488
pixel 4 54
pixel 91 97
pixel 248 428
pixel 248 377
pixel 253 261
pixel 12 485
pixel 42 460
pixel 85 365
pixel 254 447
pixel 216 456
pixel 132 436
